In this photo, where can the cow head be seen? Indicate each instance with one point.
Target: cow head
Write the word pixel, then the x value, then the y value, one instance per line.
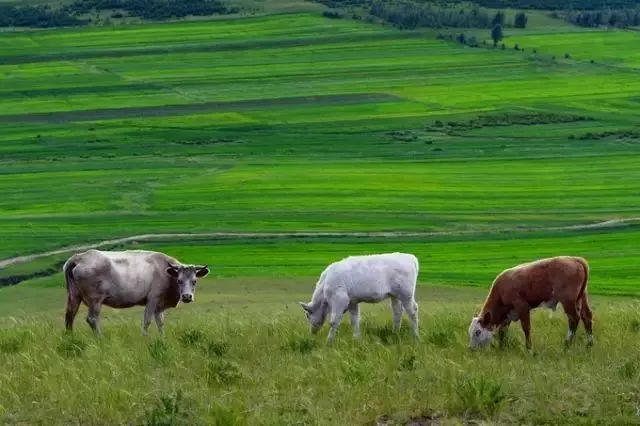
pixel 480 332
pixel 315 314
pixel 185 276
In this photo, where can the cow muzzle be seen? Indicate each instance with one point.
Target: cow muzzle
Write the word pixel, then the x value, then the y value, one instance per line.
pixel 186 298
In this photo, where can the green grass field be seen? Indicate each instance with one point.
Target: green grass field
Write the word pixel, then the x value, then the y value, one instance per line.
pixel 474 159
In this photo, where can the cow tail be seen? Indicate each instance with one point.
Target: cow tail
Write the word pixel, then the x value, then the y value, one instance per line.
pixel 68 275
pixel 73 295
pixel 583 288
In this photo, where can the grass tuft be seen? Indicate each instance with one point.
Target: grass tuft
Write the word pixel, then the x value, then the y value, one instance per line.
pixel 71 346
pixel 159 350
pixel 169 410
pixel 223 372
pixel 480 396
pixel 301 344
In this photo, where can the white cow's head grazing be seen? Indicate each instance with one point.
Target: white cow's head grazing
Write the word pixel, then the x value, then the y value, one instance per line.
pixel 185 277
pixel 479 332
pixel 316 315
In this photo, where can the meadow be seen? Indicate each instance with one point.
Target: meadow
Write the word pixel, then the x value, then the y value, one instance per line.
pixel 474 159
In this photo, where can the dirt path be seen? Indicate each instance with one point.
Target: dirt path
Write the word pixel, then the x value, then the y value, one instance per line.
pixel 613 223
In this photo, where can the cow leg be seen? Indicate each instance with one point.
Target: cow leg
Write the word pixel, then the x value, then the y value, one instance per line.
pixel 149 311
pixel 587 317
pixel 159 316
pixel 337 306
pixel 396 308
pixel 354 311
pixel 502 335
pixel 411 307
pixel 73 304
pixel 570 308
pixel 93 318
pixel 524 315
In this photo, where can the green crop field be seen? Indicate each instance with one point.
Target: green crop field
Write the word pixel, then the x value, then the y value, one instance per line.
pixel 238 135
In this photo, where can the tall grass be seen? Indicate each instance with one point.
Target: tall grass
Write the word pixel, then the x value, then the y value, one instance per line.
pixel 254 364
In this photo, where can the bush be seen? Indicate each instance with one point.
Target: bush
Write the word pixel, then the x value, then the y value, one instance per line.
pixel 520 20
pixel 332 14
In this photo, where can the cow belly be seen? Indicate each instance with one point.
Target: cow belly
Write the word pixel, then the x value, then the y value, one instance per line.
pixel 549 304
pixel 116 302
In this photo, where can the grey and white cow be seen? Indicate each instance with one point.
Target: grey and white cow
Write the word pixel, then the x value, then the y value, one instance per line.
pixel 121 279
pixel 370 279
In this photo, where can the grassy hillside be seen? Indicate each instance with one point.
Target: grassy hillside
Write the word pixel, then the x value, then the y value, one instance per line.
pixel 300 123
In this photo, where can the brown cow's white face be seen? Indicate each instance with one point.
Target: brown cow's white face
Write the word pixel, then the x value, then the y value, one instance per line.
pixel 186 277
pixel 478 335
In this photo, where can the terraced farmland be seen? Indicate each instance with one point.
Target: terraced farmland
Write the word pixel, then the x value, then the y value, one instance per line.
pixel 299 123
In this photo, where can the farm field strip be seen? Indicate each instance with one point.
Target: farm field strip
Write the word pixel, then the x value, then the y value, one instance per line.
pixel 333 130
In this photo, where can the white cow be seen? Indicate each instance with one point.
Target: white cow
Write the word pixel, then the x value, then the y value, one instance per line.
pixel 368 279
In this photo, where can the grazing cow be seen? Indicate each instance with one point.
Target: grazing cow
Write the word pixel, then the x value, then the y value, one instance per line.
pixel 121 279
pixel 543 283
pixel 368 279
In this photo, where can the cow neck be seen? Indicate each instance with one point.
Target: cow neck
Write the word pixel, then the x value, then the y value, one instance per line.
pixel 495 308
pixel 318 295
pixel 173 293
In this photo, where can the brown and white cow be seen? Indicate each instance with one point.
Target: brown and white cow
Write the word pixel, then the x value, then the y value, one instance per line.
pixel 543 283
pixel 121 279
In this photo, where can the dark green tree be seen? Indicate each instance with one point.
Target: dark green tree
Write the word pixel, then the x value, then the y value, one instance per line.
pixel 496 34
pixel 520 21
pixel 498 19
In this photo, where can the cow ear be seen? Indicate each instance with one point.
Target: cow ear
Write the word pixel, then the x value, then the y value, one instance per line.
pixel 172 271
pixel 202 271
pixel 305 306
pixel 485 320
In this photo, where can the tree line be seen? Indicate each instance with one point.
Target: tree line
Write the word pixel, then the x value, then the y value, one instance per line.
pixel 555 4
pixel 153 9
pixel 610 18
pixel 408 15
pixel 43 16
pixel 36 17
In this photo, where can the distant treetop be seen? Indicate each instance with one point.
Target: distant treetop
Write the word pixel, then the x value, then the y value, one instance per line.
pixel 555 4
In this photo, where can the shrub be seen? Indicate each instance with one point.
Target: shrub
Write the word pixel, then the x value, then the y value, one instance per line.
pixel 520 20
pixel 332 14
